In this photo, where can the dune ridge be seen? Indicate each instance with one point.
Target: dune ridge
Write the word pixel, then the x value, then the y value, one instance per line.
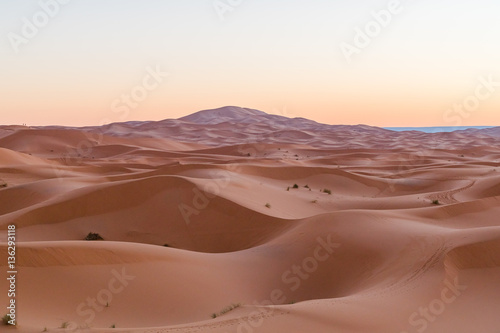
pixel 268 224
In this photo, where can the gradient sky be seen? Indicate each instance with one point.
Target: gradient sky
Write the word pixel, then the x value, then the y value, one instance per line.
pixel 278 56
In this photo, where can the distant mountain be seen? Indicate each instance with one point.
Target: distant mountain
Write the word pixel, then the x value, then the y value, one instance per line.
pixel 233 114
pixel 238 115
pixel 232 125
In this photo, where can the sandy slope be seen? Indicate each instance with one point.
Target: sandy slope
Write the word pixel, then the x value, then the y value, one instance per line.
pixel 375 255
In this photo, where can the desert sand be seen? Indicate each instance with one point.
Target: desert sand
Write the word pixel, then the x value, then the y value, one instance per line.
pixel 390 232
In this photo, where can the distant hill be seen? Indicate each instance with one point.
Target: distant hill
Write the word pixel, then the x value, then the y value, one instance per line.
pixel 231 125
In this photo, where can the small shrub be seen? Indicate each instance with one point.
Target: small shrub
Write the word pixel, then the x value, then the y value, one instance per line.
pixel 295 186
pixel 166 245
pixel 307 186
pixel 45 329
pixel 64 325
pixel 6 319
pixel 226 310
pixel 268 205
pixel 288 188
pixel 327 191
pixel 435 202
pixel 113 326
pixel 93 236
pixel 314 201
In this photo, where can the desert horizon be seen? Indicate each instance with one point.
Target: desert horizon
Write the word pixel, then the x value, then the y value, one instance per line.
pixel 234 220
pixel 428 129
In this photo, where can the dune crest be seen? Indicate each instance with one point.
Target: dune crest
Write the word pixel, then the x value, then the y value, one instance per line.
pixel 234 220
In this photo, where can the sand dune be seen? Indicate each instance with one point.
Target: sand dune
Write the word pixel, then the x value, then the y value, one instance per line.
pixel 306 227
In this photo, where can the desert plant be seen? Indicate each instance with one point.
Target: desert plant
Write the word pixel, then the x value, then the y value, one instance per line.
pixel 6 319
pixel 93 236
pixel 113 326
pixel 307 186
pixel 268 205
pixel 3 183
pixel 295 186
pixel 314 201
pixel 226 309
pixel 45 329
pixel 327 191
pixel 166 245
pixel 64 325
pixel 435 202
